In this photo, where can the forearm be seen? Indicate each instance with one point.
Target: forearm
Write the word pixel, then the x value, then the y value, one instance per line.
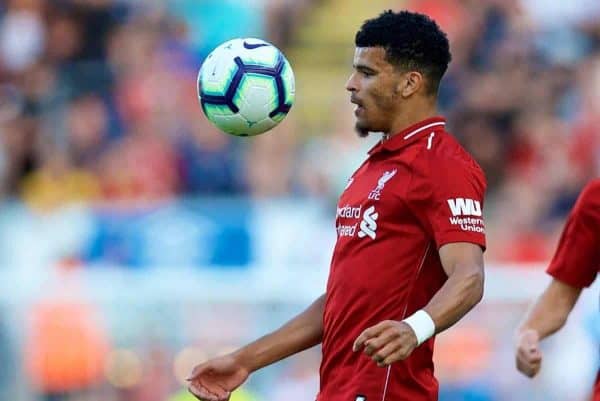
pixel 461 292
pixel 302 332
pixel 551 310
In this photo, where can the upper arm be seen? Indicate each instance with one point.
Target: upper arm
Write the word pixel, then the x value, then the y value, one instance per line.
pixel 447 195
pixel 462 257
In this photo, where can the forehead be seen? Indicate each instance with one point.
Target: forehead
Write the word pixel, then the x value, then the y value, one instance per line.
pixel 373 57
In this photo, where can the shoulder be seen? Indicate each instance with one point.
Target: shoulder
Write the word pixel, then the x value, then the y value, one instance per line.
pixel 442 158
pixel 591 193
pixel 588 202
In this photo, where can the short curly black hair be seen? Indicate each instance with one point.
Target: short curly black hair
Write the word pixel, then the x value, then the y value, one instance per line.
pixel 412 41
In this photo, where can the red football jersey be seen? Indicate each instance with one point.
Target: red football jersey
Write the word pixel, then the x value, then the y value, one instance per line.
pixel 416 192
pixel 577 258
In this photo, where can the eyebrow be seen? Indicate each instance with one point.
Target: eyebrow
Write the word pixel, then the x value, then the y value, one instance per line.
pixel 362 67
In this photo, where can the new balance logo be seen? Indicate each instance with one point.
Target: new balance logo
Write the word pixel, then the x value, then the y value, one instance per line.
pixel 464 207
pixel 368 225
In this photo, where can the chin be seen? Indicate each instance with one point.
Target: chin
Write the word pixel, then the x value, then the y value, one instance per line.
pixel 361 132
pixel 362 129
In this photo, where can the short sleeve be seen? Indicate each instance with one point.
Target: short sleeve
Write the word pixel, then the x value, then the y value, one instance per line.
pixel 577 258
pixel 446 195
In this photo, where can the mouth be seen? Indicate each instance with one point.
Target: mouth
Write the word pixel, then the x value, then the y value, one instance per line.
pixel 356 101
pixel 359 106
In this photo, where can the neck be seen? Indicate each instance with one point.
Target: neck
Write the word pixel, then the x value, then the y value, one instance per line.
pixel 412 116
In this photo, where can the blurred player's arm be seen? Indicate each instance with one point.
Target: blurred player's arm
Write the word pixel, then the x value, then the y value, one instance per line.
pixel 547 316
pixel 551 310
pixel 391 341
pixel 215 379
pixel 573 267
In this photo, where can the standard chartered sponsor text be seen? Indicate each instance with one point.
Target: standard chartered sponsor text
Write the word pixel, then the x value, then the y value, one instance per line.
pixel 346 231
pixel 349 212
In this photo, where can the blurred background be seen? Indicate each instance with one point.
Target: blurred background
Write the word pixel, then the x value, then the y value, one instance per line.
pixel 136 240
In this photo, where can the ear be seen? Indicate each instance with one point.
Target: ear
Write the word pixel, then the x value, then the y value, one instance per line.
pixel 410 84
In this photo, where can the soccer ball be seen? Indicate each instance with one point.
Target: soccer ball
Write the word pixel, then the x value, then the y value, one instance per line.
pixel 246 86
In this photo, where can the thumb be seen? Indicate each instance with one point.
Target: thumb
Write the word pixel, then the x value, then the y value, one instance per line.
pixel 530 338
pixel 195 372
pixel 530 343
pixel 533 348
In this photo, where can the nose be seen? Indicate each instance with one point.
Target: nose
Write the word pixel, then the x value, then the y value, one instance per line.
pixel 351 83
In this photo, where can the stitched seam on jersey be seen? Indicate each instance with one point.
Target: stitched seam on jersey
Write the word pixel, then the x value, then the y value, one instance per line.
pixel 407 136
pixel 387 378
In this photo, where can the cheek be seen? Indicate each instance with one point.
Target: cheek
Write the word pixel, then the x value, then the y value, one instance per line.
pixel 381 101
pixel 379 94
pixel 385 101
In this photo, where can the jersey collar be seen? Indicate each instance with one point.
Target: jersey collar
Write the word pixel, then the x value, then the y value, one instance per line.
pixel 410 134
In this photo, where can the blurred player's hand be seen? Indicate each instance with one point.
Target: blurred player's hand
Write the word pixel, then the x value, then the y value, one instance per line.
pixel 215 379
pixel 387 342
pixel 528 354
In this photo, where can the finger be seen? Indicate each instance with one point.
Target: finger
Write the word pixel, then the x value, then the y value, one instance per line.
pixel 530 356
pixel 534 357
pixel 395 356
pixel 532 347
pixel 362 338
pixel 371 332
pixel 223 393
pixel 533 351
pixel 374 344
pixel 369 348
pixel 201 393
pixel 534 364
pixel 219 392
pixel 530 371
pixel 527 368
pixel 536 369
pixel 387 350
pixel 524 366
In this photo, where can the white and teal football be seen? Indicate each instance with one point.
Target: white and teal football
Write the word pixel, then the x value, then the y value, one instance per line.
pixel 246 86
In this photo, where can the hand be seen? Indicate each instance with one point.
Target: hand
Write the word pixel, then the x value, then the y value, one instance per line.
pixel 387 342
pixel 215 379
pixel 528 354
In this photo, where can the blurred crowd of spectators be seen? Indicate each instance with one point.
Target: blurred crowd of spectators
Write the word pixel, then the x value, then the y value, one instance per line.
pixel 98 98
pixel 98 103
pixel 523 95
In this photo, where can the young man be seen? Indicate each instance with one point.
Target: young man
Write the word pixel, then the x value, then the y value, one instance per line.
pixel 408 262
pixel 574 267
